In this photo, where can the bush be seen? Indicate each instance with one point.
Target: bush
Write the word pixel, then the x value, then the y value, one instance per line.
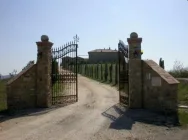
pixel 55 71
pixel 105 72
pixel 178 70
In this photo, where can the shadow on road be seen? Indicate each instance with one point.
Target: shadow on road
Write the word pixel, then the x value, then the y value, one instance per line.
pixel 123 118
pixel 8 115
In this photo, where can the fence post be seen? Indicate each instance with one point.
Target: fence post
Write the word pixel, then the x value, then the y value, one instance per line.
pixel 116 73
pixel 97 73
pixel 92 71
pixel 105 72
pixel 79 67
pixel 110 73
pixel 44 68
pixel 101 72
pixel 89 71
pixel 86 69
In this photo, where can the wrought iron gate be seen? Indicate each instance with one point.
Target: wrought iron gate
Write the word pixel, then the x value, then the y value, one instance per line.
pixel 64 74
pixel 123 80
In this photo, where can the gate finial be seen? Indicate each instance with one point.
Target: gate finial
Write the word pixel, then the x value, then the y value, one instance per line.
pixel 76 38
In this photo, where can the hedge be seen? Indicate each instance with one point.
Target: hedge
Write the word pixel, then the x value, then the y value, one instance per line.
pixel 107 72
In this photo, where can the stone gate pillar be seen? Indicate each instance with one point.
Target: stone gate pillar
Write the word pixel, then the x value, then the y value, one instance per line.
pixel 44 60
pixel 135 71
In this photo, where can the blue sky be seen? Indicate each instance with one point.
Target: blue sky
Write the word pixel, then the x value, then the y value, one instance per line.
pixel 163 25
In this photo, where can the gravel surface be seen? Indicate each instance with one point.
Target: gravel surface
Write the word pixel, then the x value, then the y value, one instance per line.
pixel 96 116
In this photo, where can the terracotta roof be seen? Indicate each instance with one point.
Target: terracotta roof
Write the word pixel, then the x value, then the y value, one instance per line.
pixel 103 50
pixel 165 75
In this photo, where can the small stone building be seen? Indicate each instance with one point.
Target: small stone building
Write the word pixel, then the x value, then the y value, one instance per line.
pixel 150 86
pixel 103 55
pixel 160 88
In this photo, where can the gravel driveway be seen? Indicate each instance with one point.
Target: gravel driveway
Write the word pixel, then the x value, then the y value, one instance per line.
pixel 96 116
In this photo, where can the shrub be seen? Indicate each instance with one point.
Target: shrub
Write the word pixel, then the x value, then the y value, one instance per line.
pixel 178 70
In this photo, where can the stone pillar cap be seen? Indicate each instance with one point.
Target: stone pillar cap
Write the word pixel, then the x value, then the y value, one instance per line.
pixel 44 38
pixel 133 35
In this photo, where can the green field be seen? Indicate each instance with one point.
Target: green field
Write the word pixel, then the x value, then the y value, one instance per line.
pixel 57 89
pixel 3 102
pixel 183 93
pixel 183 116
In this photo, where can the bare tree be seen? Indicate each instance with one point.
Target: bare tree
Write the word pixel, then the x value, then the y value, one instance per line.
pixel 178 66
pixel 179 70
pixel 186 68
pixel 11 75
pixel 14 72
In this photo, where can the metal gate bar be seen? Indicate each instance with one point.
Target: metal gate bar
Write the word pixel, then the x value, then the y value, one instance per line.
pixel 64 74
pixel 123 72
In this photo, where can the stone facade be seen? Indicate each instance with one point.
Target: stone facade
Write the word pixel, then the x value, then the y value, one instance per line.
pixel 103 55
pixel 150 86
pixel 32 86
pixel 21 90
pixel 135 84
pixel 159 87
pixel 44 67
pixel 135 72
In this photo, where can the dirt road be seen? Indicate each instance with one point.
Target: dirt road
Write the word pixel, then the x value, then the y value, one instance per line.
pixel 95 117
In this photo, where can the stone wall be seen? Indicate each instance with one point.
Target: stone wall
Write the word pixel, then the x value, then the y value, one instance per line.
pixel 150 86
pixel 159 87
pixel 183 80
pixel 96 57
pixel 135 71
pixel 21 89
pixel 135 83
pixel 32 86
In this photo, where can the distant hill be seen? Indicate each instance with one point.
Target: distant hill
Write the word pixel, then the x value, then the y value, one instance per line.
pixel 5 76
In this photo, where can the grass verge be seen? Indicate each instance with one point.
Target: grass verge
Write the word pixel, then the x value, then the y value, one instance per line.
pixel 3 97
pixel 183 93
pixel 183 117
pixel 58 89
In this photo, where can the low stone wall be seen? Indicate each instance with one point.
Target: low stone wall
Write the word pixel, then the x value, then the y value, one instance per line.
pixel 159 87
pixel 21 89
pixel 32 86
pixel 183 80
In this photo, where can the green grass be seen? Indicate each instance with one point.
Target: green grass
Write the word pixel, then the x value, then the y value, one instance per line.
pixel 183 93
pixel 58 88
pixel 183 117
pixel 3 101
